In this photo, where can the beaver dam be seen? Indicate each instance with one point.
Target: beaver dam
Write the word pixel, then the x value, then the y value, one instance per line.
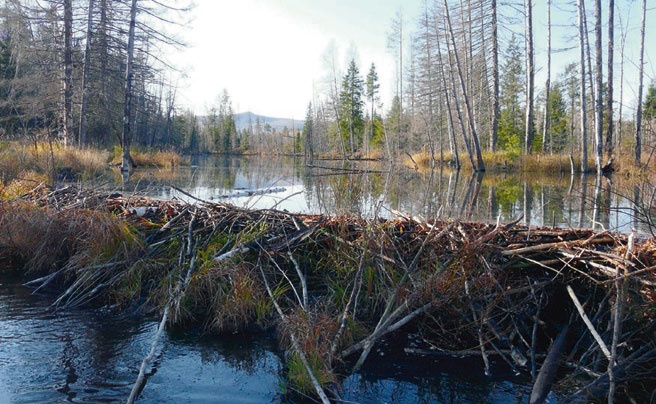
pixel 573 310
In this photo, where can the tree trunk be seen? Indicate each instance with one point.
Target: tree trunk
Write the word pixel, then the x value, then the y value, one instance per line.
pixel 547 112
pixel 609 80
pixel 495 78
pixel 583 100
pixel 530 77
pixel 641 66
pixel 67 131
pixel 479 166
pixel 127 106
pixel 85 77
pixel 452 137
pixel 599 106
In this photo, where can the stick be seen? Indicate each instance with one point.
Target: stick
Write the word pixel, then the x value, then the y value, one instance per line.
pixel 587 322
pixel 175 298
pixel 306 364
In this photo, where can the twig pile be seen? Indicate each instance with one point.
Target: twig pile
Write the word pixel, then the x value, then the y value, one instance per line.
pixel 538 299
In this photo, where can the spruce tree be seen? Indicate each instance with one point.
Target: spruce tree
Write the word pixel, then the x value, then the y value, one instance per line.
pixel 352 107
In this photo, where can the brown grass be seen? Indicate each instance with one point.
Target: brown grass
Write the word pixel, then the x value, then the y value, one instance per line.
pixel 44 241
pixel 150 158
pixel 41 162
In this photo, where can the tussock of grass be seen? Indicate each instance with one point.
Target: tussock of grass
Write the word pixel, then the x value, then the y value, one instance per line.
pixel 43 242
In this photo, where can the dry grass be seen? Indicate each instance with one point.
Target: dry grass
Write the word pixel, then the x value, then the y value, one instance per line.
pixel 150 158
pixel 44 241
pixel 43 162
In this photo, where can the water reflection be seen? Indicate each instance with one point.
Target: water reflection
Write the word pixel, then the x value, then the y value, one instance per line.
pixel 374 189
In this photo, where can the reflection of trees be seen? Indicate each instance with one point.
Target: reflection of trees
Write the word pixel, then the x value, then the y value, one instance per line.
pixel 542 199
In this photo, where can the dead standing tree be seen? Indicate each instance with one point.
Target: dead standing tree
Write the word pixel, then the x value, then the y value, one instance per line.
pixel 126 136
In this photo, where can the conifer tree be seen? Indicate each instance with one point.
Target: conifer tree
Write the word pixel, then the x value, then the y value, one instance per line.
pixel 352 106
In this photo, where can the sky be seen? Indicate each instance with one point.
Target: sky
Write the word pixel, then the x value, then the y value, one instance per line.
pixel 269 54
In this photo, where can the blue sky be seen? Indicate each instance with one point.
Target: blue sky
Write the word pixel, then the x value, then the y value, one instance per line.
pixel 268 54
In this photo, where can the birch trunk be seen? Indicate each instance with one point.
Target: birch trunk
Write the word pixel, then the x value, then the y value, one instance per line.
pixel 599 105
pixel 530 77
pixel 583 99
pixel 495 78
pixel 547 112
pixel 609 80
pixel 67 131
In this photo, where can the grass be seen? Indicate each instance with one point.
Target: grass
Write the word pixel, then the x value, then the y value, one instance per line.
pixel 36 161
pixel 25 165
pixel 502 161
pixel 149 158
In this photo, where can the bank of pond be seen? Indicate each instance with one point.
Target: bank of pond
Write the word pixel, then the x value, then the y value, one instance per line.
pixel 572 311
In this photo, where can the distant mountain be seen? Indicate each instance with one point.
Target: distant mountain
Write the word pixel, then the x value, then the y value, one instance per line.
pixel 242 120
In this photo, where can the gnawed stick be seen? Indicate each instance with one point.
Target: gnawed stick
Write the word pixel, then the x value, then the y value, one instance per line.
pixel 557 245
pixel 620 290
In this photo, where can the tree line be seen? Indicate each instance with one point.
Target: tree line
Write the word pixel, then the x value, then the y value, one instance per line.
pixel 88 72
pixel 95 72
pixel 468 86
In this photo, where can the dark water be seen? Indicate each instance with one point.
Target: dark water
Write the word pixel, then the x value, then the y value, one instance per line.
pixel 92 356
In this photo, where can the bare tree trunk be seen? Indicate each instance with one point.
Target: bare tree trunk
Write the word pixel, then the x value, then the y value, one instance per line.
pixel 547 112
pixel 618 138
pixel 85 77
pixel 599 105
pixel 479 166
pixel 452 136
pixel 67 131
pixel 127 106
pixel 609 80
pixel 495 78
pixel 584 140
pixel 530 77
pixel 638 129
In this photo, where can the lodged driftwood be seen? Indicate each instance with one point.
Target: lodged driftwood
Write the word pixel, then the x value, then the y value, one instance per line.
pixel 573 309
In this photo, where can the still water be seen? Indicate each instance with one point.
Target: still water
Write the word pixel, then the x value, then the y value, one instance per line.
pixel 91 356
pixel 373 189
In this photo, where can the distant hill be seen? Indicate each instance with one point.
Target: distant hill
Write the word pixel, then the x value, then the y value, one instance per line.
pixel 242 120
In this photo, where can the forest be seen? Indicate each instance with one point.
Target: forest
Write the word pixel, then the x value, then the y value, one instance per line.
pixel 96 73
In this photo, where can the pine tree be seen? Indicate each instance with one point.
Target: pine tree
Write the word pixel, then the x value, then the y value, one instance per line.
pixel 308 131
pixel 352 107
pixel 649 107
pixel 372 96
